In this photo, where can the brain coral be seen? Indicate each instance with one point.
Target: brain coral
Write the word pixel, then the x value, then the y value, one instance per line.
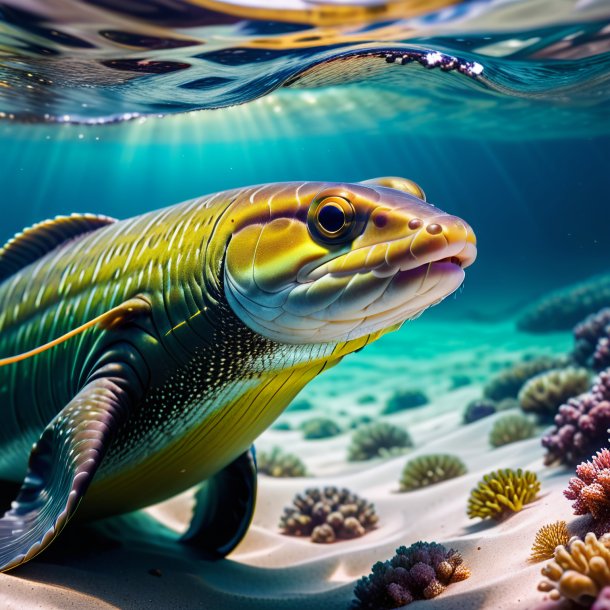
pixel 377 440
pixel 276 463
pixel 430 469
pixel 580 425
pixel 544 393
pixel 510 429
pixel 421 571
pixel 579 571
pixel 502 492
pixel 328 514
pixel 565 308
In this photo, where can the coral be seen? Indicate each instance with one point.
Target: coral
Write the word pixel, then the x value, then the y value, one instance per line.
pixel 361 420
pixel 507 383
pixel 601 357
pixel 548 538
pixel 366 399
pixel 300 405
pixel 430 469
pixel 501 492
pixel 328 514
pixel 579 571
pixel 590 490
pixel 544 393
pixel 377 439
pixel 580 425
pixel 510 429
pixel 602 601
pixel 459 381
pixel 406 399
pixel 282 425
pixel 565 308
pixel 588 334
pixel 421 571
pixel 478 409
pixel 276 463
pixel 319 427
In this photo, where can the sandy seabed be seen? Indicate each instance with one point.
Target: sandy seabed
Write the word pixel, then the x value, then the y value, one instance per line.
pixel 127 563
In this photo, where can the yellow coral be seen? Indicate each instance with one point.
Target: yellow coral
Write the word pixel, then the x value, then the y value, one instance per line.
pixel 548 538
pixel 580 571
pixel 503 491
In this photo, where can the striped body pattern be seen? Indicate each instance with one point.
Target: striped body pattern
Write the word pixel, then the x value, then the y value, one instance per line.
pixel 245 295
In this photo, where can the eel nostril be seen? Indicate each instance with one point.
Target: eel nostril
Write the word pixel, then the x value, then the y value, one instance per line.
pixel 434 229
pixel 415 223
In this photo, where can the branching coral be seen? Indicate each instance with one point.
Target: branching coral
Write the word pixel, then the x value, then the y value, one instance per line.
pixel 588 334
pixel 328 514
pixel 501 492
pixel 430 469
pixel 589 490
pixel 548 538
pixel 579 571
pixel 565 308
pixel 580 425
pixel 510 429
pixel 421 571
pixel 544 393
pixel 406 399
pixel 377 440
pixel 319 427
pixel 276 463
pixel 478 409
pixel 507 383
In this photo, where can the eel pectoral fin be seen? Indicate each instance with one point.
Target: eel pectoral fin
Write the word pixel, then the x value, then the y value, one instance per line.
pixel 224 505
pixel 63 462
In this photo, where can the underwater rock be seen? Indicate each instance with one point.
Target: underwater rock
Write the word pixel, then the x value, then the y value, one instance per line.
pixel 563 309
pixel 327 515
pixel 588 334
pixel 507 383
pixel 319 427
pixel 501 492
pixel 579 570
pixel 379 439
pixel 421 571
pixel 430 469
pixel 405 399
pixel 544 393
pixel 590 491
pixel 547 539
pixel 276 463
pixel 478 409
pixel 510 429
pixel 580 425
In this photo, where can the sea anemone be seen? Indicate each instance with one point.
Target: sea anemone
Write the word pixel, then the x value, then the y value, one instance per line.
pixel 328 514
pixel 319 427
pixel 548 538
pixel 589 490
pixel 478 409
pixel 501 492
pixel 421 571
pixel 544 393
pixel 587 335
pixel 378 439
pixel 510 429
pixel 406 399
pixel 430 469
pixel 579 570
pixel 580 425
pixel 276 463
pixel 507 383
pixel 565 308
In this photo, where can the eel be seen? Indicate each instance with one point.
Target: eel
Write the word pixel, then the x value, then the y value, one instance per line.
pixel 142 357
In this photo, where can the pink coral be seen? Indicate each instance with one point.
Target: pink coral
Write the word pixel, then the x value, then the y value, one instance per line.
pixel 602 601
pixel 592 340
pixel 590 490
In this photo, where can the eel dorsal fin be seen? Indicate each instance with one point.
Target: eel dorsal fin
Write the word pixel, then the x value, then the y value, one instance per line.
pixel 36 241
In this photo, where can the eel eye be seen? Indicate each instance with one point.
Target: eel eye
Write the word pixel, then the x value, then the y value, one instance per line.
pixel 331 219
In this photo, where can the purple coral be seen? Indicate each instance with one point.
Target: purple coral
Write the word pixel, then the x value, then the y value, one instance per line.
pixel 590 491
pixel 421 571
pixel 580 425
pixel 602 602
pixel 592 338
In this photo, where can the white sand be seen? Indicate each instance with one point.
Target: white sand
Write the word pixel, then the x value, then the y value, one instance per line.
pixel 270 570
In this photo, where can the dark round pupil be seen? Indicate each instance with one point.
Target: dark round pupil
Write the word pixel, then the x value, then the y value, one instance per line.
pixel 331 218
